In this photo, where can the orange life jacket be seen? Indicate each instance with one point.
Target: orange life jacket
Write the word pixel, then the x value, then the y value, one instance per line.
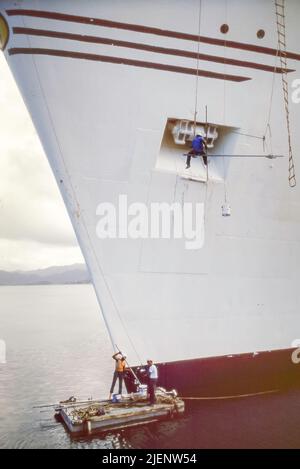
pixel 120 365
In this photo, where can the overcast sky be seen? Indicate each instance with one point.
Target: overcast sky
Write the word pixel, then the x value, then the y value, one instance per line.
pixel 29 198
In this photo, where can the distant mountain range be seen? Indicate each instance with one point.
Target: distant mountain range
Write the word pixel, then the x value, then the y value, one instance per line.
pixel 76 273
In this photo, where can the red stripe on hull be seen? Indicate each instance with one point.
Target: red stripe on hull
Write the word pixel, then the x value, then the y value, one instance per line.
pixel 123 61
pixel 147 47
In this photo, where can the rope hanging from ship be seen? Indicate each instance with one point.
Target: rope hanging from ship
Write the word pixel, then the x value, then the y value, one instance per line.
pixel 195 99
pixel 197 67
pixel 195 104
pixel 282 53
pixel 225 205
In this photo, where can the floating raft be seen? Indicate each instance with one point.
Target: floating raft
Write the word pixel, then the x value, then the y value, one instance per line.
pixel 102 415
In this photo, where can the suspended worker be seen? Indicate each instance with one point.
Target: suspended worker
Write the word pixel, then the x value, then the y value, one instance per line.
pixel 152 380
pixel 198 149
pixel 119 372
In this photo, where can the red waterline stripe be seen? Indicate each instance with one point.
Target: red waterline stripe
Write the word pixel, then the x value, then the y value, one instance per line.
pixel 121 60
pixel 147 30
pixel 146 47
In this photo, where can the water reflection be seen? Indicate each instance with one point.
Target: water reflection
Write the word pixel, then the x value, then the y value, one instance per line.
pixel 56 342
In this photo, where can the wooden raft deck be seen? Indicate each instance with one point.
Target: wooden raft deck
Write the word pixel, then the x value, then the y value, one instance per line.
pixel 103 415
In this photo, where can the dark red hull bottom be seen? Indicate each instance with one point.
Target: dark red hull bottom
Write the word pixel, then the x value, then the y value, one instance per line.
pixel 225 376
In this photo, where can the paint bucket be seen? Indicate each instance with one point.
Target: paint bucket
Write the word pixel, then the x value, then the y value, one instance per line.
pixel 142 389
pixel 116 398
pixel 226 210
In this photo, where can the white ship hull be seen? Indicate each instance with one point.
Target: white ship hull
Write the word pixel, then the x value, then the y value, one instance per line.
pixel 101 112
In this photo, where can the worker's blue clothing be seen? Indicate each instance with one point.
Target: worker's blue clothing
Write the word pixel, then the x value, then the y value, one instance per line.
pixel 198 144
pixel 198 149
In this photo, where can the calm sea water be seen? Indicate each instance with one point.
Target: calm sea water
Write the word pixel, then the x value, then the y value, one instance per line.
pixel 57 346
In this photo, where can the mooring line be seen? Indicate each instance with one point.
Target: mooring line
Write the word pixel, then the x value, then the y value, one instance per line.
pixel 236 396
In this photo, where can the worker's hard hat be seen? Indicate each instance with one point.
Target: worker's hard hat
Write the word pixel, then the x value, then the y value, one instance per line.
pixel 124 355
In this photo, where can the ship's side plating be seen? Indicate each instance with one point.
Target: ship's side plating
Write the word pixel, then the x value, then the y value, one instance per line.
pixel 101 108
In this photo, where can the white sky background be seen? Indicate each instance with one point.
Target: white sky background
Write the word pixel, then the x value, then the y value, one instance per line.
pixel 35 231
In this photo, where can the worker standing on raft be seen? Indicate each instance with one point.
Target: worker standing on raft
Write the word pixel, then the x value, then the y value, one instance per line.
pixel 153 376
pixel 119 372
